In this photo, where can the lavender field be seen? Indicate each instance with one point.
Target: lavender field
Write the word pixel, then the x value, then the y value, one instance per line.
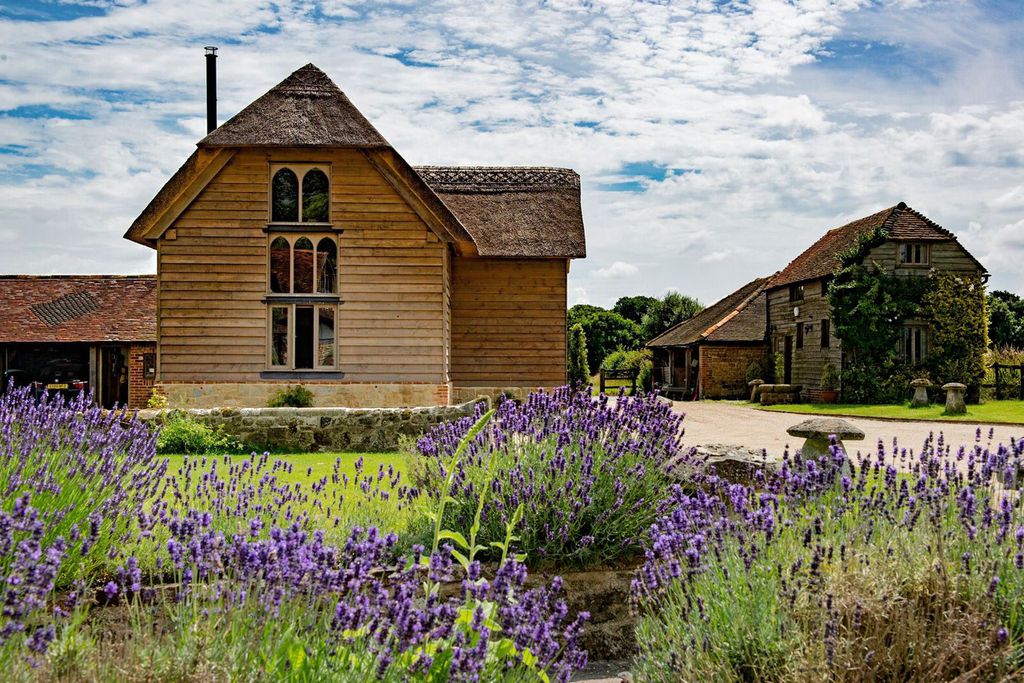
pixel 901 565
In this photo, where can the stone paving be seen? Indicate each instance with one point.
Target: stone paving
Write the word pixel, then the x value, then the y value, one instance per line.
pixel 742 425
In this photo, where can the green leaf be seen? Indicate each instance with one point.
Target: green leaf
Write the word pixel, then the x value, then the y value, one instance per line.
pixel 461 559
pixel 455 536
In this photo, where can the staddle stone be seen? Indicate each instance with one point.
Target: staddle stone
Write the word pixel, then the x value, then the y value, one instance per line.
pixel 818 433
pixel 920 386
pixel 755 389
pixel 955 404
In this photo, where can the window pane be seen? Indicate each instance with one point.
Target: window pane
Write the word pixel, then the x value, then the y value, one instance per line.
pixel 315 196
pixel 325 336
pixel 303 337
pixel 303 266
pixel 280 266
pixel 279 336
pixel 326 266
pixel 285 197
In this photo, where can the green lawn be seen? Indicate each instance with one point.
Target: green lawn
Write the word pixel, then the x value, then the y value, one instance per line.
pixel 347 502
pixel 992 411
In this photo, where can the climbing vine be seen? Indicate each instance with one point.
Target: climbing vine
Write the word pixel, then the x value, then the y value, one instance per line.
pixel 870 307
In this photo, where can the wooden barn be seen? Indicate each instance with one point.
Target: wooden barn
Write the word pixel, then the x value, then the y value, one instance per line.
pixel 707 356
pixel 296 245
pixel 70 333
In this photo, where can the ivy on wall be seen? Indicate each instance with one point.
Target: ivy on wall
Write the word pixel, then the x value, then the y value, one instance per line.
pixel 869 309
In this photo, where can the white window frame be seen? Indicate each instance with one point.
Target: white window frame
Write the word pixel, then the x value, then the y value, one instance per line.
pixel 300 170
pixel 913 251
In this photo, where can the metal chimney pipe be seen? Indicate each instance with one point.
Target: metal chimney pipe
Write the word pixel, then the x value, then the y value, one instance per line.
pixel 211 89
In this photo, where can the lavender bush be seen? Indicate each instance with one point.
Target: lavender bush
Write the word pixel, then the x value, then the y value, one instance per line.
pixel 256 590
pixel 906 567
pixel 587 473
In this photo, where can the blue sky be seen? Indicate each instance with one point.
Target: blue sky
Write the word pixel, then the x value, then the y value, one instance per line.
pixel 716 139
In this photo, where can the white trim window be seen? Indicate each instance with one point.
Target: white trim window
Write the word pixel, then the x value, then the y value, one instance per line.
pixel 914 253
pixel 300 194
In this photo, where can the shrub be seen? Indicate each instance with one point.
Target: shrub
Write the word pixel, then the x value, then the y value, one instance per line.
pixel 588 473
pixel 829 573
pixel 829 377
pixel 579 374
pixel 181 433
pixel 755 371
pixel 157 401
pixel 292 397
pixel 1003 355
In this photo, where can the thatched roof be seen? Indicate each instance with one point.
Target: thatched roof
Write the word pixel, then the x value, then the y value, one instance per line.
pixel 44 309
pixel 304 110
pixel 739 317
pixel 514 211
pixel 901 222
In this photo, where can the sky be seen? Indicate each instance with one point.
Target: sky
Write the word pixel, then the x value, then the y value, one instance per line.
pixel 716 139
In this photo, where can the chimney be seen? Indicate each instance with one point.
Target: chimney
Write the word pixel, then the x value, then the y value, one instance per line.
pixel 211 89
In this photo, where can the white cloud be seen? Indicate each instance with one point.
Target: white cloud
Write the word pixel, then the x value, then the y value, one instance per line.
pixel 765 140
pixel 617 271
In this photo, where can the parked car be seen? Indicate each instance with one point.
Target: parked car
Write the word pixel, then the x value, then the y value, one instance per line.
pixel 58 376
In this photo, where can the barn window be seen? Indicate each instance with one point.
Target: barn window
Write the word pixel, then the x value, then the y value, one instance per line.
pixel 309 183
pixel 302 300
pixel 913 254
pixel 796 292
pixel 285 197
pixel 914 344
pixel 826 339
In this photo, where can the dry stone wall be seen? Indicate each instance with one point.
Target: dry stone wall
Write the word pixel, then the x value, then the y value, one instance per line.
pixel 322 429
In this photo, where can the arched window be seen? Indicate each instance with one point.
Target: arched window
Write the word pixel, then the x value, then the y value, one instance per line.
pixel 280 266
pixel 303 261
pixel 285 197
pixel 315 197
pixel 326 266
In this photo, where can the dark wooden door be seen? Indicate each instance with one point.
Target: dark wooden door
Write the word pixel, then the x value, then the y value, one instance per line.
pixel 787 361
pixel 114 377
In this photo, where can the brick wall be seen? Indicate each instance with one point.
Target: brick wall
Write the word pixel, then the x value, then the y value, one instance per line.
pixel 140 388
pixel 723 369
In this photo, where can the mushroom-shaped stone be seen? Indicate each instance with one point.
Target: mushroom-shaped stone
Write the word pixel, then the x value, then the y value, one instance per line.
pixel 755 389
pixel 920 386
pixel 955 398
pixel 818 432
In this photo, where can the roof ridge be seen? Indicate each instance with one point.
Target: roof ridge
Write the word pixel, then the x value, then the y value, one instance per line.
pixel 498 178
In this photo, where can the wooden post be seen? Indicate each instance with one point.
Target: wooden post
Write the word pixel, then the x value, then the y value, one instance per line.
pixel 601 382
pixel 999 386
pixel 632 391
pixel 1021 377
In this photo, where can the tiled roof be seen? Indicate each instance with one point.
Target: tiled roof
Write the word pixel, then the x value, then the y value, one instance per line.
pixel 514 211
pixel 822 257
pixel 739 317
pixel 77 308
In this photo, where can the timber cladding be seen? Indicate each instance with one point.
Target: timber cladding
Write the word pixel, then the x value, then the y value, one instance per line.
pixel 212 272
pixel 508 322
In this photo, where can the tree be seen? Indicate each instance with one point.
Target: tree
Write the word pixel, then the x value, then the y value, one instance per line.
pixel 671 310
pixel 580 311
pixel 1006 319
pixel 606 332
pixel 579 374
pixel 634 307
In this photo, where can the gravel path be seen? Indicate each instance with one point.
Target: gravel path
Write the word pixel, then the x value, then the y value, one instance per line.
pixel 709 422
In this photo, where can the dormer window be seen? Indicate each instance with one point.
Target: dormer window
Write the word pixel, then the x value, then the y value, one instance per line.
pixel 913 254
pixel 300 193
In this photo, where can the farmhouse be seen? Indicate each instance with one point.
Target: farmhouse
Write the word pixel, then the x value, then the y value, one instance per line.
pixel 799 317
pixel 66 333
pixel 707 355
pixel 297 245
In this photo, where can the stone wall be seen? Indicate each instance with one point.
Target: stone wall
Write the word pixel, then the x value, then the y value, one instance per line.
pixel 461 394
pixel 723 369
pixel 325 393
pixel 322 429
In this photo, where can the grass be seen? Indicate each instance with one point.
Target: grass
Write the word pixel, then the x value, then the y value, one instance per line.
pixel 992 411
pixel 338 501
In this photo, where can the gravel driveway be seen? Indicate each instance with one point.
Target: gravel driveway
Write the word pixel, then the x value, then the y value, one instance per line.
pixel 709 422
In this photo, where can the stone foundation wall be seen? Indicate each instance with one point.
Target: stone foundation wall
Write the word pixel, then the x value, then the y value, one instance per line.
pixel 465 393
pixel 325 394
pixel 723 369
pixel 321 429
